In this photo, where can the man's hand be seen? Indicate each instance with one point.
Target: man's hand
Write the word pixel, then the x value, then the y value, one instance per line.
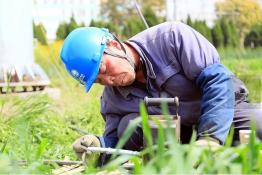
pixel 207 141
pixel 85 141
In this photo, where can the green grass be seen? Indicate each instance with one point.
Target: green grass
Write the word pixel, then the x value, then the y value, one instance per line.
pixel 37 127
pixel 235 53
pixel 40 127
pixel 250 72
pixel 247 66
pixel 169 157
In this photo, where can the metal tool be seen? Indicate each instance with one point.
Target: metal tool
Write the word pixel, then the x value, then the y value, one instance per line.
pixel 158 101
pixel 141 14
pixel 58 162
pixel 111 151
pixel 173 118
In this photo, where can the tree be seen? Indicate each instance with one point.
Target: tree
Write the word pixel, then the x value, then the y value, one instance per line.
pixel 118 11
pixel 94 23
pixel 61 31
pixel 111 27
pixel 157 6
pixel 230 33
pixel 82 24
pixel 115 11
pixel 72 24
pixel 65 28
pixel 40 33
pixel 254 38
pixel 189 21
pixel 244 14
pixel 133 26
pixel 151 17
pixel 202 28
pixel 217 35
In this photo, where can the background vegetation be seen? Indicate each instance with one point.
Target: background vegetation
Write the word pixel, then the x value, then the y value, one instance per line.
pixel 37 127
pixel 235 26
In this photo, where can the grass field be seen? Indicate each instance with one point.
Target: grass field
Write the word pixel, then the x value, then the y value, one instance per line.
pixel 37 127
pixel 247 65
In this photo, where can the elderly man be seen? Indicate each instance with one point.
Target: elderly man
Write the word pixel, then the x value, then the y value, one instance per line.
pixel 170 58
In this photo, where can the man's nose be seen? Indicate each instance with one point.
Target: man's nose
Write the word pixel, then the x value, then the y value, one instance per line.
pixel 105 80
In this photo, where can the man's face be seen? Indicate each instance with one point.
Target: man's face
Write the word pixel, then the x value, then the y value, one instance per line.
pixel 115 71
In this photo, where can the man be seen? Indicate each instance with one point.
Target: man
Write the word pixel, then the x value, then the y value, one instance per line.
pixel 170 58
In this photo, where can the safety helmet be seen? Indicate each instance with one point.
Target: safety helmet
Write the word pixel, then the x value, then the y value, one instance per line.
pixel 82 51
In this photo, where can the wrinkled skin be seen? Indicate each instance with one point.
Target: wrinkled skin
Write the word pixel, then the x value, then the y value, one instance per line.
pixel 115 72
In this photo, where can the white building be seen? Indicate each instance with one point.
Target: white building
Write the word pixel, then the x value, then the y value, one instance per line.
pixel 52 12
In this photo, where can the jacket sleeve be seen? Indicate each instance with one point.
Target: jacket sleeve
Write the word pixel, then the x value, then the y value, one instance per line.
pixel 199 61
pixel 217 103
pixel 110 137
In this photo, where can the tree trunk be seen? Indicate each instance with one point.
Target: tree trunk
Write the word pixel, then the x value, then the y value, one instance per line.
pixel 242 40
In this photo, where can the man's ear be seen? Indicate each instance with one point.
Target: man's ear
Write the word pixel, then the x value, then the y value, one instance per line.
pixel 114 43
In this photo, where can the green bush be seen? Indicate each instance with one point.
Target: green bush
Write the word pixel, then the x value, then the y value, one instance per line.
pixel 231 36
pixel 254 38
pixel 217 35
pixel 189 21
pixel 61 32
pixel 40 33
pixel 202 28
pixel 65 28
pixel 151 18
pixel 133 26
pixel 72 25
pixel 167 156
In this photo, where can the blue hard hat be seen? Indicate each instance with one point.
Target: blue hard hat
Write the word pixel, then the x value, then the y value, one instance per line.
pixel 82 51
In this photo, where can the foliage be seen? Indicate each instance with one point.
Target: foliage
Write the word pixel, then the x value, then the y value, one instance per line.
pixel 72 24
pixel 115 11
pixel 151 17
pixel 202 28
pixel 65 28
pixel 157 6
pixel 34 128
pixel 189 21
pixel 111 27
pixel 249 71
pixel 133 26
pixel 40 33
pixel 230 33
pixel 37 127
pixel 166 156
pixel 121 18
pixel 217 35
pixel 94 23
pixel 254 38
pixel 118 11
pixel 223 33
pixel 244 14
pixel 23 139
pixel 61 31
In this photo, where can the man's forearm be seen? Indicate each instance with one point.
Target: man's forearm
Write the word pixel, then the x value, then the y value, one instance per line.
pixel 217 104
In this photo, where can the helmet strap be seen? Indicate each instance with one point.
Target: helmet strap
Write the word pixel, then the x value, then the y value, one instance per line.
pixel 125 56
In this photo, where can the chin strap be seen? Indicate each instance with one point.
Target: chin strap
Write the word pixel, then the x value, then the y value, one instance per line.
pixel 125 56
